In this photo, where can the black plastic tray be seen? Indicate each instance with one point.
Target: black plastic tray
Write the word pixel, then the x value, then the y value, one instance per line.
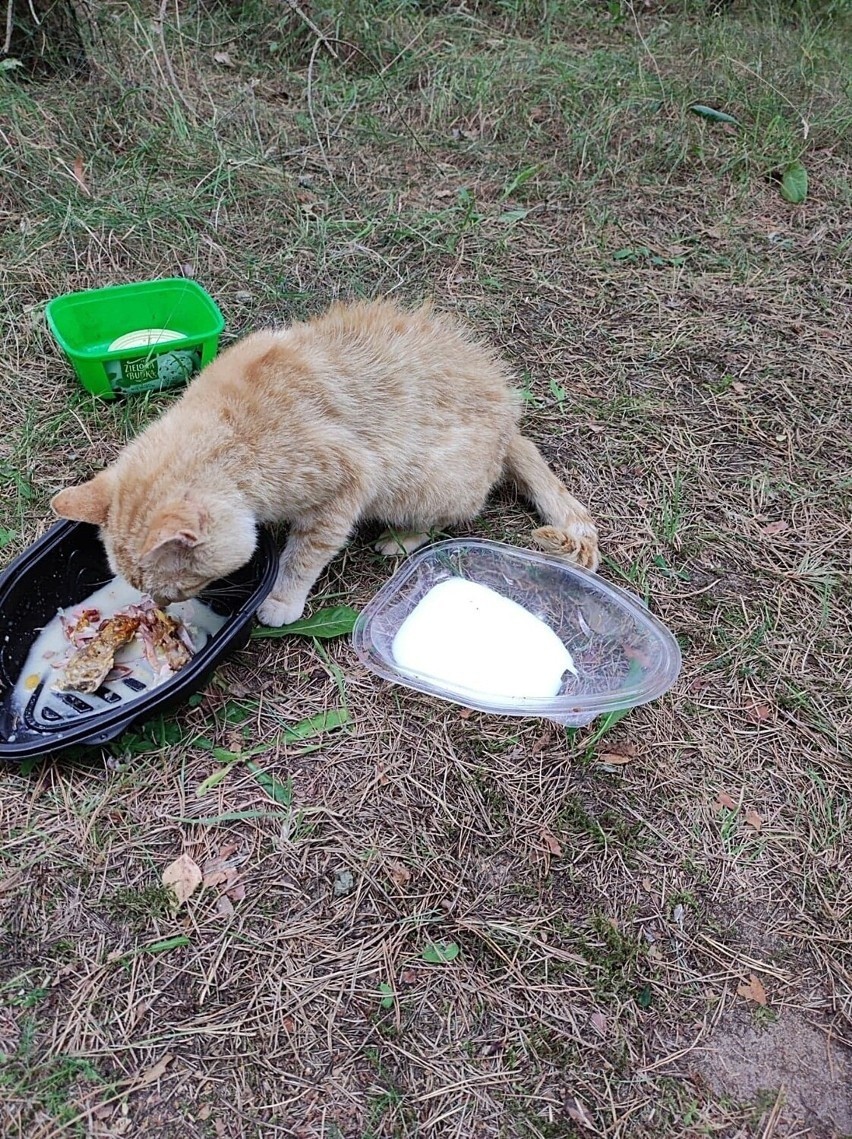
pixel 62 569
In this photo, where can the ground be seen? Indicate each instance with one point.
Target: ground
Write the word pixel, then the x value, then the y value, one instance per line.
pixel 652 917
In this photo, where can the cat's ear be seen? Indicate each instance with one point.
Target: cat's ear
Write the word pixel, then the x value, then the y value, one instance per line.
pixel 179 526
pixel 88 502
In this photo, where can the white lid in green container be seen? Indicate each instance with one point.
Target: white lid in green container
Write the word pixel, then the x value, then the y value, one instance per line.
pixel 145 338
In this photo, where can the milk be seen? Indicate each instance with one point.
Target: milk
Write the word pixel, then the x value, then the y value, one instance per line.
pixel 51 649
pixel 467 637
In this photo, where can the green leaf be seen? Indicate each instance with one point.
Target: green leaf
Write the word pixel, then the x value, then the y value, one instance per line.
pixel 632 254
pixel 511 216
pixel 281 792
pixel 212 780
pixel 644 997
pixel 154 947
pixel 440 952
pixel 316 725
pixel 235 713
pixel 794 183
pixel 557 391
pixel 387 994
pixel 9 64
pixel 712 115
pixel 225 756
pixel 325 623
pixel 6 537
pixel 226 817
pixel 520 179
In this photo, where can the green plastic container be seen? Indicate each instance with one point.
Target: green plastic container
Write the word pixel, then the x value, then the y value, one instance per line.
pixel 183 320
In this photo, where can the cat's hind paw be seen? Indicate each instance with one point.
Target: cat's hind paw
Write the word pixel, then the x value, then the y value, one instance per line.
pixel 395 543
pixel 576 542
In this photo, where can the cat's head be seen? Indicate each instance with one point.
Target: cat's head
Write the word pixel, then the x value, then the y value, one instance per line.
pixel 170 547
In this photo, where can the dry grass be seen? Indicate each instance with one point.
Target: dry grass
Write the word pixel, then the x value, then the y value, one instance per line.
pixel 680 331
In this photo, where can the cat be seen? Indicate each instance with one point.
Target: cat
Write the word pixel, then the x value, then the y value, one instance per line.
pixel 368 412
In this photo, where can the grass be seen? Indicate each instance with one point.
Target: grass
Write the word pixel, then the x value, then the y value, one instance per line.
pixel 678 332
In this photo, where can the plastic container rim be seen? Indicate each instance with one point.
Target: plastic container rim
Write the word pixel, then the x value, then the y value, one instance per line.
pixel 216 328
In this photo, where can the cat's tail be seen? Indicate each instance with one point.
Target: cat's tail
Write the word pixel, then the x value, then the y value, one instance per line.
pixel 570 531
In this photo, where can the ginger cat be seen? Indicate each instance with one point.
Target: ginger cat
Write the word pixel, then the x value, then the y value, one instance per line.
pixel 367 412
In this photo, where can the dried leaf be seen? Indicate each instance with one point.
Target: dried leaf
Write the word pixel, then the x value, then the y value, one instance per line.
pixel 154 1073
pixel 224 906
pixel 753 990
pixel 774 528
pixel 753 819
pixel 551 842
pixel 223 57
pixel 182 877
pixel 578 1112
pixel 238 893
pixel 723 799
pixel 204 1112
pixel 598 1022
pixel 399 874
pixel 219 871
pixel 79 176
pixel 465 713
pixel 613 758
pixel 758 712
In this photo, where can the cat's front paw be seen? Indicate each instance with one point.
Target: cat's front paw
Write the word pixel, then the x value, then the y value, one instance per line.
pixel 577 542
pixel 275 612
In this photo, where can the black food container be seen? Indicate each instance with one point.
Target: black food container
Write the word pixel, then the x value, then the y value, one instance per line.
pixel 62 569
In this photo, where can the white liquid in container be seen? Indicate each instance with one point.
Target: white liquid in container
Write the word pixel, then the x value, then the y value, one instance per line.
pixel 467 636
pixel 51 649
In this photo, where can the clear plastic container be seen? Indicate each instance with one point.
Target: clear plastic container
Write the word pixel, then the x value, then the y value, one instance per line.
pixel 623 655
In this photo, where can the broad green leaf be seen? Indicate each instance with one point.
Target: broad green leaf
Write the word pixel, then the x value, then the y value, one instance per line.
pixel 281 792
pixel 794 183
pixel 387 994
pixel 6 537
pixel 325 623
pixel 440 952
pixel 511 216
pixel 712 115
pixel 557 391
pixel 9 64
pixel 316 725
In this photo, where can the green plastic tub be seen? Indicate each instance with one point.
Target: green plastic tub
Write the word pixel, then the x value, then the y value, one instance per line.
pixel 136 338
